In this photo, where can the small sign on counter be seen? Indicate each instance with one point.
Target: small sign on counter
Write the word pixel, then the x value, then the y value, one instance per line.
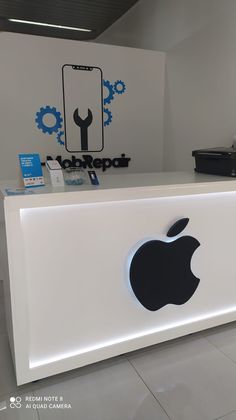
pixel 31 170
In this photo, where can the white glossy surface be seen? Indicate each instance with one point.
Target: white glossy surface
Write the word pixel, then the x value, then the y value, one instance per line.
pixel 89 303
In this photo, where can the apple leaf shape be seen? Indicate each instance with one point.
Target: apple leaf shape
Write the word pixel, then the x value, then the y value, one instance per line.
pixel 177 227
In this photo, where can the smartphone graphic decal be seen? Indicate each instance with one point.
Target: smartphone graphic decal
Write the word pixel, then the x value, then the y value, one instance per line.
pixel 83 108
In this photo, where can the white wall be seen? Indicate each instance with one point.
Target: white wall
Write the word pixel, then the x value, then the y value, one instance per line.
pixel 31 78
pixel 160 24
pixel 200 88
pixel 200 99
pixel 200 83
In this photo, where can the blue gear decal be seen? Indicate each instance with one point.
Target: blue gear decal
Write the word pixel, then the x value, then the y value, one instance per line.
pixel 111 92
pixel 59 136
pixel 119 87
pixel 40 116
pixel 109 116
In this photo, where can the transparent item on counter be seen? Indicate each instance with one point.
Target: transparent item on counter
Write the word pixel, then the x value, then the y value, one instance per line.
pixel 74 176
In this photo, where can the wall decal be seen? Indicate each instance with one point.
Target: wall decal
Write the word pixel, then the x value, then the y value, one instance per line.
pixel 84 124
pixel 60 134
pixel 119 87
pixel 109 91
pixel 108 118
pixel 160 272
pixel 124 118
pixel 82 88
pixel 40 119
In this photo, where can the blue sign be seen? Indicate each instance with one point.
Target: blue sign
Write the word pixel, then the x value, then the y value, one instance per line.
pixel 31 170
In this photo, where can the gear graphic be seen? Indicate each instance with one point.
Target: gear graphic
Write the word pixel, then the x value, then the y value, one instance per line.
pixel 59 136
pixel 110 96
pixel 109 117
pixel 40 116
pixel 119 87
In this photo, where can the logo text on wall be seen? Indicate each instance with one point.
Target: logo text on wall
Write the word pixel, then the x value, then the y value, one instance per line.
pixel 89 162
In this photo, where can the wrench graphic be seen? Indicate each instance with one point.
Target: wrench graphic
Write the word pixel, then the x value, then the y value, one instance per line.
pixel 83 124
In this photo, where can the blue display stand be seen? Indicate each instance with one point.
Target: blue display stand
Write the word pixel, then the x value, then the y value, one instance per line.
pixel 31 170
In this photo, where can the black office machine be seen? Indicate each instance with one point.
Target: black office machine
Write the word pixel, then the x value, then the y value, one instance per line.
pixel 216 161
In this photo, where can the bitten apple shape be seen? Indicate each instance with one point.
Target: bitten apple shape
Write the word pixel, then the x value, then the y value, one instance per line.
pixel 160 272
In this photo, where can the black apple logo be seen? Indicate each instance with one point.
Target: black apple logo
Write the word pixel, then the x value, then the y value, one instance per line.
pixel 160 272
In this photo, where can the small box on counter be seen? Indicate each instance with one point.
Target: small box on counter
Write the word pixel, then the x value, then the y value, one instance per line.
pixel 216 161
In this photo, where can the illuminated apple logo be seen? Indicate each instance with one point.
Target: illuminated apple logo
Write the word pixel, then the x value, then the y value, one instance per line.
pixel 160 272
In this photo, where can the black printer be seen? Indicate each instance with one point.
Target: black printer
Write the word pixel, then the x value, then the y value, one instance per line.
pixel 216 161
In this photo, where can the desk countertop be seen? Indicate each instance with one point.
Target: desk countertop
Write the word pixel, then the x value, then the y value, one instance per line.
pixel 120 186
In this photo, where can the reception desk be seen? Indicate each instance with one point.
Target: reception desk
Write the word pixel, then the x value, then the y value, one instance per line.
pixel 94 272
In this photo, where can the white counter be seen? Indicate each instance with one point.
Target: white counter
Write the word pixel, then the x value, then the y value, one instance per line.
pixel 74 291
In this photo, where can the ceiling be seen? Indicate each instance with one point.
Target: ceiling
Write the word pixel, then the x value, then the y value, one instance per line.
pixel 97 15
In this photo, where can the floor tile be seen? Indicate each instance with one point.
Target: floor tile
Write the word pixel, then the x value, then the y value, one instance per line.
pixel 1 288
pixel 16 413
pixel 7 375
pixel 2 318
pixel 2 311
pixel 2 321
pixel 110 390
pixel 190 378
pixel 224 338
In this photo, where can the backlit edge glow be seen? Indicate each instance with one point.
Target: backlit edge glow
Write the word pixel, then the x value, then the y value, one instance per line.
pixel 125 200
pixel 109 343
pixel 51 25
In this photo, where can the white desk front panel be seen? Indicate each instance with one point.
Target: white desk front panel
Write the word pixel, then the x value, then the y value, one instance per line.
pixel 74 301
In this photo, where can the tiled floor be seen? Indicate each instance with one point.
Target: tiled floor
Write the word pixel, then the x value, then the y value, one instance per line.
pixel 192 378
